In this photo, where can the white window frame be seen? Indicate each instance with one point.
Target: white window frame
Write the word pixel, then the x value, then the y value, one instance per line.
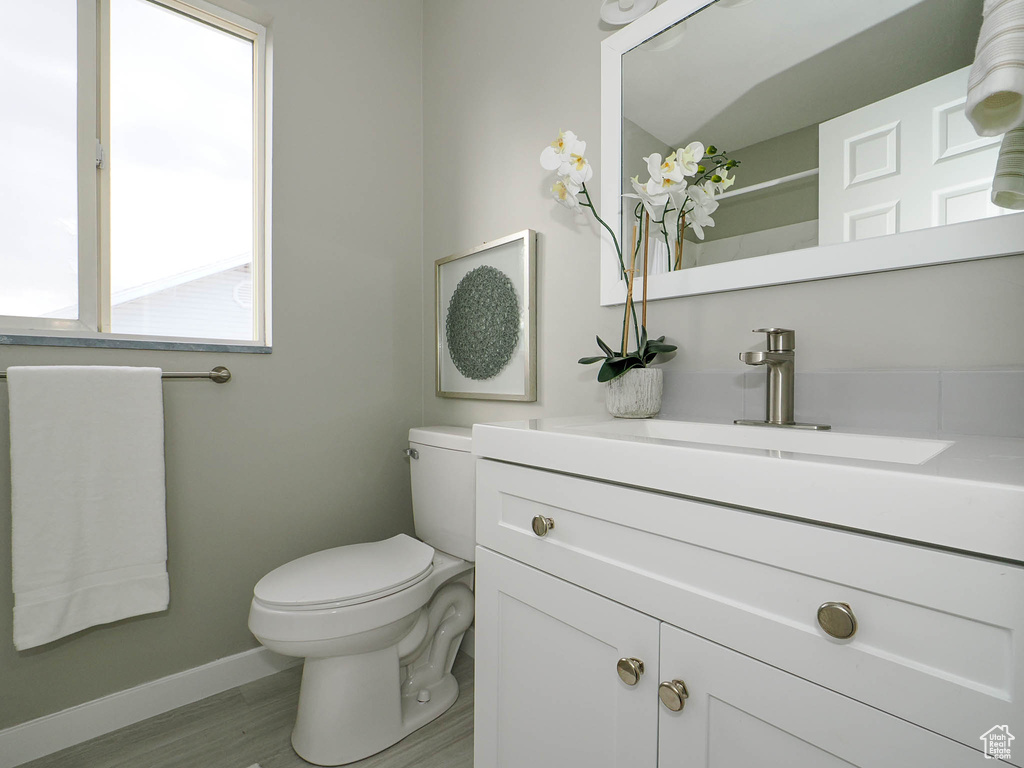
pixel 94 308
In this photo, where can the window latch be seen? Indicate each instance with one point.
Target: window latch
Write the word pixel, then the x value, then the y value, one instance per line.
pixel 99 154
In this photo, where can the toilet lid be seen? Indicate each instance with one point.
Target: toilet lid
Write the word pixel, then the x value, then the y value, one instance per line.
pixel 356 573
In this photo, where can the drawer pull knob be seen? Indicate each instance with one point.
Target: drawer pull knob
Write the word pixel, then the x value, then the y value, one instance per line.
pixel 541 525
pixel 673 695
pixel 630 670
pixel 837 620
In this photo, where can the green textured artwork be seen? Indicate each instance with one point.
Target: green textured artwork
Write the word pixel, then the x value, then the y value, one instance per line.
pixel 482 323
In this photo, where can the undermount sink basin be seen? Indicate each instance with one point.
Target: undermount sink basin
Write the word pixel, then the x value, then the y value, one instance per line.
pixel 898 450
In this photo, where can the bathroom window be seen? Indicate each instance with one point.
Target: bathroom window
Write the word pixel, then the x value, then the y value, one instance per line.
pixel 133 208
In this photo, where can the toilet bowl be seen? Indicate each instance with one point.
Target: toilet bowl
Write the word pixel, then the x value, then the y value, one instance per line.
pixel 379 624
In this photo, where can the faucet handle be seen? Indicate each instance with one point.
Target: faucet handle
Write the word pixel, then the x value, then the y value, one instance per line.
pixel 779 339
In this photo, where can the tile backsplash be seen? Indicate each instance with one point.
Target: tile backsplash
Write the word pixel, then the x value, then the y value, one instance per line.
pixel 945 402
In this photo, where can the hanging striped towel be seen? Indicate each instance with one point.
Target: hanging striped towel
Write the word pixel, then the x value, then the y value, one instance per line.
pixel 1008 184
pixel 88 528
pixel 995 89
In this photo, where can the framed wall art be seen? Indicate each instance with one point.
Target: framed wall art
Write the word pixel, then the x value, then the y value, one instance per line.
pixel 485 320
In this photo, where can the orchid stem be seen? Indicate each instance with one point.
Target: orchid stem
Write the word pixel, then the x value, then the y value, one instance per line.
pixel 630 308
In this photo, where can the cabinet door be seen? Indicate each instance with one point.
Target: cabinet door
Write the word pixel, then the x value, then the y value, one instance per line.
pixel 741 713
pixel 547 691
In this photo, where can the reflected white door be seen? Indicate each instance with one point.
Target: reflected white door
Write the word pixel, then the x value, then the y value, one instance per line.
pixel 908 162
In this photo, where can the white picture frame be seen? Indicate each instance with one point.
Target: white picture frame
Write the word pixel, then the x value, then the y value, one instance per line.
pixel 485 327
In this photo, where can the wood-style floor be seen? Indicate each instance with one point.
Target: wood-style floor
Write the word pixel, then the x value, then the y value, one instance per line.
pixel 253 723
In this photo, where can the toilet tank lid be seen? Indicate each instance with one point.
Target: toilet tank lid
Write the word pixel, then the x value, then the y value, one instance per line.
pixel 453 438
pixel 350 574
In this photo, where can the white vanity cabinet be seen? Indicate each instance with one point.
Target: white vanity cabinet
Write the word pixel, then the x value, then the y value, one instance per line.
pixel 725 600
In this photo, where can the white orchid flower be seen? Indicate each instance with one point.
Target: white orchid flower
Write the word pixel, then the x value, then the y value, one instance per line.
pixel 708 199
pixel 677 193
pixel 699 215
pixel 651 195
pixel 666 177
pixel 697 220
pixel 726 181
pixel 665 173
pixel 577 169
pixel 565 192
pixel 689 157
pixel 702 196
pixel 559 153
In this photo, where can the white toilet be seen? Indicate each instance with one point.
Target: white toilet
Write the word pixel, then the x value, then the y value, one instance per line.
pixel 379 624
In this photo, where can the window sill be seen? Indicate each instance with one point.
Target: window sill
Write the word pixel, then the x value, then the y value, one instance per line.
pixel 136 343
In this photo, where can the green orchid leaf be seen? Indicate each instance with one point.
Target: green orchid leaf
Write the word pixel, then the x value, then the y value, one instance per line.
pixel 612 368
pixel 607 372
pixel 660 348
pixel 604 347
pixel 589 360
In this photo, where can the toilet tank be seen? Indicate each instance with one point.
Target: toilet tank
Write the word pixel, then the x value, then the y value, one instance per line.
pixel 444 489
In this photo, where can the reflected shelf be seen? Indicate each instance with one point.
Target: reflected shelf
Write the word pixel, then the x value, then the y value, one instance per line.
pixel 767 184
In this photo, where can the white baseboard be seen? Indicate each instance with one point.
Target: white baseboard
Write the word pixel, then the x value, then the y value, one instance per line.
pixel 55 732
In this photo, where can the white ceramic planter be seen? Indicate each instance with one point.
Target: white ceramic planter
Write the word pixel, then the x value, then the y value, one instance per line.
pixel 636 394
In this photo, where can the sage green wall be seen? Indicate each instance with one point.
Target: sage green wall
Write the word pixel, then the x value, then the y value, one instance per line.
pixel 509 76
pixel 301 450
pixel 777 206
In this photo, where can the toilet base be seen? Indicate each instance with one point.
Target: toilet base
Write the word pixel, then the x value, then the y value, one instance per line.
pixel 416 714
pixel 336 728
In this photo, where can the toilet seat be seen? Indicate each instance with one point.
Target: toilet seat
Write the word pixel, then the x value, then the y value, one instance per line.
pixel 349 575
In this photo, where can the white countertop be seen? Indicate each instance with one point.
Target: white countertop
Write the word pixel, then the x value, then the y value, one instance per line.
pixel 970 497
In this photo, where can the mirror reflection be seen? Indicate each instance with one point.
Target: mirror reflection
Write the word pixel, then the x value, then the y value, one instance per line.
pixel 847 123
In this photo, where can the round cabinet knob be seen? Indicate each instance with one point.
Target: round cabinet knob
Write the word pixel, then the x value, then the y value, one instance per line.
pixel 541 525
pixel 630 670
pixel 837 620
pixel 673 695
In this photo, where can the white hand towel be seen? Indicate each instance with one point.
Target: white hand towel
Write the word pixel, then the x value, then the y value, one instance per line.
pixel 995 89
pixel 89 533
pixel 1008 183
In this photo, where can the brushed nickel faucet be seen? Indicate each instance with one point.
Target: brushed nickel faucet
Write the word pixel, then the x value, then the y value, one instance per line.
pixel 778 361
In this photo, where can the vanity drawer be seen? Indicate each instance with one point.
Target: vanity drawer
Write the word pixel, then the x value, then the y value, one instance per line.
pixel 938 637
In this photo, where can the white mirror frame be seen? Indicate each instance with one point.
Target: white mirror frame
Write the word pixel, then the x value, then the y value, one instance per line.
pixel 985 238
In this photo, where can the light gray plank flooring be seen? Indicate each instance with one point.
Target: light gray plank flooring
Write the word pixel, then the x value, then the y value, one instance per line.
pixel 253 723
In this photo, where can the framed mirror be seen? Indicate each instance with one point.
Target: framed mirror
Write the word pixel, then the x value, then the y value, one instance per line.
pixel 847 120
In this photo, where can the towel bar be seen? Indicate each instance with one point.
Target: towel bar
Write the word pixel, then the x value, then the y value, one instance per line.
pixel 219 375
